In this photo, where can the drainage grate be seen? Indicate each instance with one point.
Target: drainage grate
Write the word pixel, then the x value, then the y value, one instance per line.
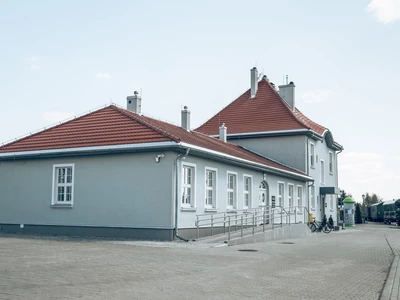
pixel 248 250
pixel 286 243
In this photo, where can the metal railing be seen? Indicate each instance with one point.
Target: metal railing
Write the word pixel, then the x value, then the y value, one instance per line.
pixel 251 220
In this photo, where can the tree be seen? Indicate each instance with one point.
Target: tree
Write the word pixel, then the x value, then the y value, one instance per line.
pixel 358 216
pixel 342 196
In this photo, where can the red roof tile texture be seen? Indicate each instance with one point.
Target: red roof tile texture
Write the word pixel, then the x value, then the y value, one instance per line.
pixel 116 126
pixel 267 111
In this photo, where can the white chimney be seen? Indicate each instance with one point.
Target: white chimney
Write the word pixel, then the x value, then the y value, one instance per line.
pixel 134 103
pixel 185 120
pixel 287 93
pixel 222 132
pixel 253 82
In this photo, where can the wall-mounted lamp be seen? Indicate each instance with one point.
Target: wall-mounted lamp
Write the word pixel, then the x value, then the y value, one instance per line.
pixel 158 157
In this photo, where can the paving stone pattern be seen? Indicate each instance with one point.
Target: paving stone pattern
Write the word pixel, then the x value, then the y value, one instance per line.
pixel 349 264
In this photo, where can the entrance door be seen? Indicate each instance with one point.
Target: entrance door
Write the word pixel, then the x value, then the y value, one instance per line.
pixel 264 201
pixel 263 194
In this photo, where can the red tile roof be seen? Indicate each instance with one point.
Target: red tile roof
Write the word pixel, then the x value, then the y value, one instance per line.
pixel 116 126
pixel 267 111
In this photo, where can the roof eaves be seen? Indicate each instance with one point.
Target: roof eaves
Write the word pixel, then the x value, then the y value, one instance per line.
pixel 248 162
pixel 275 161
pixel 266 133
pixel 82 150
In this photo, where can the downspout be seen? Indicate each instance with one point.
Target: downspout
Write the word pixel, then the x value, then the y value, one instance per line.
pixel 176 194
pixel 337 184
pixel 308 174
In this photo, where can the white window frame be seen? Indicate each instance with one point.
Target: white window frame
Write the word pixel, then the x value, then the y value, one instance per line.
pixel 248 192
pixel 312 197
pixel 231 190
pixel 281 197
pixel 213 205
pixel 192 186
pixel 312 155
pixel 322 171
pixel 330 163
pixel 55 185
pixel 291 197
pixel 299 193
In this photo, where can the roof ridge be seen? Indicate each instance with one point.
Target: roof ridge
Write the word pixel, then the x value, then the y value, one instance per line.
pixel 308 119
pixel 225 107
pixel 136 117
pixel 288 107
pixel 55 125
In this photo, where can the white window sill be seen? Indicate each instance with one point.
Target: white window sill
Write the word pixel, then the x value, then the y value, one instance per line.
pixel 313 208
pixel 188 209
pixel 312 167
pixel 231 211
pixel 61 205
pixel 330 173
pixel 211 210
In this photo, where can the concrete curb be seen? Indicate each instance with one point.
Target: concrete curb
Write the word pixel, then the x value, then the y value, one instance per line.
pixel 287 232
pixel 391 289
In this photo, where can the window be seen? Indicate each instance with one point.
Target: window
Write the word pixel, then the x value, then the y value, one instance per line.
pixel 312 156
pixel 312 196
pixel 188 186
pixel 299 197
pixel 330 162
pixel 290 196
pixel 231 188
pixel 322 171
pixel 63 185
pixel 247 192
pixel 281 194
pixel 211 184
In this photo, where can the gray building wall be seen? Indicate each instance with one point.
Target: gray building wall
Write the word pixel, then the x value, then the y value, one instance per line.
pixel 124 190
pixel 187 216
pixel 290 150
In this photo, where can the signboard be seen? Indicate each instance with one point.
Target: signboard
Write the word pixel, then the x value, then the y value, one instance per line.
pixel 273 201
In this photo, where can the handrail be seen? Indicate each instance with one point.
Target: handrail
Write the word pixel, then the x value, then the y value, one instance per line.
pixel 253 217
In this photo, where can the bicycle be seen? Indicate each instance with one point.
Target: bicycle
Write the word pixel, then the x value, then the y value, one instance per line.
pixel 318 227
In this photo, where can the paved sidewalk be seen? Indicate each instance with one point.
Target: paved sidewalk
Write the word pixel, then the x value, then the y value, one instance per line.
pixel 391 289
pixel 349 264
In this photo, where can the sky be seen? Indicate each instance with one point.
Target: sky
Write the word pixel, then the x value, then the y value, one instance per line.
pixel 59 59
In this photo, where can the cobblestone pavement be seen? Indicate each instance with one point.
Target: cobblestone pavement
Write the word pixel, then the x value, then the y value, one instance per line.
pixel 349 264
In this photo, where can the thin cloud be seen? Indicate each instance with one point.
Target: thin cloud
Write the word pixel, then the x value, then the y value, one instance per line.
pixel 316 96
pixel 32 63
pixel 103 76
pixel 57 116
pixel 361 172
pixel 385 11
